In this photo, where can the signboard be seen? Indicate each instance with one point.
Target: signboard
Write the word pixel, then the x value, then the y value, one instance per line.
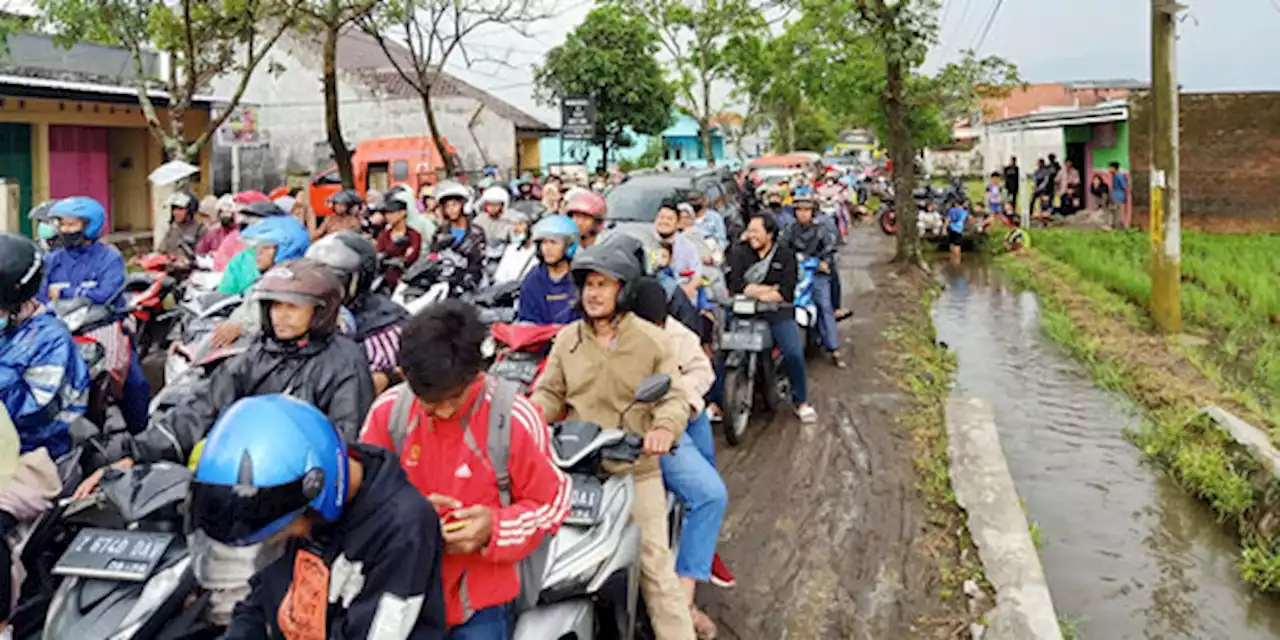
pixel 112 554
pixel 577 118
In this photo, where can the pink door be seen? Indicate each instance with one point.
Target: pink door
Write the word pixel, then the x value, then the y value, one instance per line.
pixel 78 165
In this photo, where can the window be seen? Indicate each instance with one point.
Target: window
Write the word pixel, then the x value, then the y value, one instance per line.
pixel 400 170
pixel 329 177
pixel 377 177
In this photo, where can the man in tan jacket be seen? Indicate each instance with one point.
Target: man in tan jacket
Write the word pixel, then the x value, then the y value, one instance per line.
pixel 592 374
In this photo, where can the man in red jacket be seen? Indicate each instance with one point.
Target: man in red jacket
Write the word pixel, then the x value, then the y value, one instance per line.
pixel 441 453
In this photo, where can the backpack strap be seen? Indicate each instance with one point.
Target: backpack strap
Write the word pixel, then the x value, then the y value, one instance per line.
pixel 401 423
pixel 501 406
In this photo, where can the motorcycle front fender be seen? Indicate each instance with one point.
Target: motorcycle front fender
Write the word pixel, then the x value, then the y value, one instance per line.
pixel 735 359
pixel 570 619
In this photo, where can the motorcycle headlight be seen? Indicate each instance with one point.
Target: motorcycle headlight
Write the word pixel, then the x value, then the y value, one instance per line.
pixel 158 589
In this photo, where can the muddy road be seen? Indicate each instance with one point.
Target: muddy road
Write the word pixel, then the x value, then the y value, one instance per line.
pixel 823 520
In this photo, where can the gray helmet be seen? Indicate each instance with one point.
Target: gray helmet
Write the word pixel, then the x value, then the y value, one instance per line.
pixel 619 256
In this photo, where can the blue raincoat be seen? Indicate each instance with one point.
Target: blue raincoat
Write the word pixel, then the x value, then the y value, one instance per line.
pixel 44 383
pixel 94 271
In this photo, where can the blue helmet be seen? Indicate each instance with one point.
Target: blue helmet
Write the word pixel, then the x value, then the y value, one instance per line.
pixel 290 238
pixel 85 208
pixel 267 461
pixel 558 227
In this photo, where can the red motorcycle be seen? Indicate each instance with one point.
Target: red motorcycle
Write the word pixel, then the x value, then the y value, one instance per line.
pixel 522 351
pixel 146 294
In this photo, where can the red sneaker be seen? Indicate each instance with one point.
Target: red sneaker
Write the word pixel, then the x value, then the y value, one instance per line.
pixel 720 575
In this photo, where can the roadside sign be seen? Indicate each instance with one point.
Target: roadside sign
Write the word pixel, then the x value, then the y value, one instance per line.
pixel 577 118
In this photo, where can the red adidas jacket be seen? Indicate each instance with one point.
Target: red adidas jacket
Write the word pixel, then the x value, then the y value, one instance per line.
pixel 437 460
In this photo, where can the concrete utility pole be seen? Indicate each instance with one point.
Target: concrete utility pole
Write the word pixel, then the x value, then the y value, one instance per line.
pixel 1166 207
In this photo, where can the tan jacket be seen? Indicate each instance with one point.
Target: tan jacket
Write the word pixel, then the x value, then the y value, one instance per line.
pixel 695 367
pixel 585 381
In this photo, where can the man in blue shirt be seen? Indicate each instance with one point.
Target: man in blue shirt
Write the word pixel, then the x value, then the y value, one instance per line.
pixel 547 295
pixel 44 384
pixel 956 218
pixel 708 221
pixel 84 267
pixel 1119 196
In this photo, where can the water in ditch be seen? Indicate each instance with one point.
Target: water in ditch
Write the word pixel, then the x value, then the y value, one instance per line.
pixel 1126 552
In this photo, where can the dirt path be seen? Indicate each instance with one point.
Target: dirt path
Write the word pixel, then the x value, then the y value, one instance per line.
pixel 823 520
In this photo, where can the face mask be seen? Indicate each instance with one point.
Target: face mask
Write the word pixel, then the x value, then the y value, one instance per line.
pixel 71 239
pixel 4 323
pixel 518 238
pixel 227 221
pixel 376 229
pixel 47 231
pixel 775 205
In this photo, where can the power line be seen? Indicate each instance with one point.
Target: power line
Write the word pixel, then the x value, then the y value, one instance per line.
pixel 991 20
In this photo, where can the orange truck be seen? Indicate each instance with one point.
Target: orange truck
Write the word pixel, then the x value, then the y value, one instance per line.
pixel 381 164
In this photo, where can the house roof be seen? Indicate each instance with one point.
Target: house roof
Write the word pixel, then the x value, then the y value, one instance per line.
pixel 1111 111
pixel 361 56
pixel 685 126
pixel 40 87
pixel 1035 97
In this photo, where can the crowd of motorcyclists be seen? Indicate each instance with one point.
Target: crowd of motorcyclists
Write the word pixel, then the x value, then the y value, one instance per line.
pixel 346 431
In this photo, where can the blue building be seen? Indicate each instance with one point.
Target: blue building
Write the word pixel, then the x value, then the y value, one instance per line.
pixel 681 143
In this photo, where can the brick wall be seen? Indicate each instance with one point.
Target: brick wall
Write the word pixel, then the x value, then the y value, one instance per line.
pixel 1230 160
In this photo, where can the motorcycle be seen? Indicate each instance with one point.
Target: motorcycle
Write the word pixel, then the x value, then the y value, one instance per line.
pixel 497 303
pixel 104 346
pixel 754 372
pixel 190 334
pixel 146 294
pixel 521 351
pixel 439 276
pixel 128 573
pixel 805 308
pixel 590 583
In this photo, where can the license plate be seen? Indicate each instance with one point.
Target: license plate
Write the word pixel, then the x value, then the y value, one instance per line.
pixel 515 369
pixel 111 554
pixel 742 341
pixel 588 494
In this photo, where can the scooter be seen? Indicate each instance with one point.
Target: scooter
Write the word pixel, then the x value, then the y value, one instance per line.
pixel 435 278
pixel 591 581
pixel 128 572
pixel 521 351
pixel 102 343
pixel 755 380
pixel 190 335
pixel 806 310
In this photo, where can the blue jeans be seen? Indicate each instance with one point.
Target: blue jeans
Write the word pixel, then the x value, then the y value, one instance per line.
pixel 137 397
pixel 787 336
pixel 693 478
pixel 826 320
pixel 493 623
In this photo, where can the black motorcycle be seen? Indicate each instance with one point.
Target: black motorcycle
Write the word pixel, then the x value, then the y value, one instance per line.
pixel 755 380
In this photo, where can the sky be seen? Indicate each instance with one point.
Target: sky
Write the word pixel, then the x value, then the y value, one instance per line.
pixel 1224 45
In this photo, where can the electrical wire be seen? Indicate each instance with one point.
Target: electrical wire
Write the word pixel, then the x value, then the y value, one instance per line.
pixel 991 20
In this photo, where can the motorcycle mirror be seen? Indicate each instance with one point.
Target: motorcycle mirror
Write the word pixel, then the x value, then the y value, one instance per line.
pixel 652 388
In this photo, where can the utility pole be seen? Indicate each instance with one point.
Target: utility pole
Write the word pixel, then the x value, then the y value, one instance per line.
pixel 1166 206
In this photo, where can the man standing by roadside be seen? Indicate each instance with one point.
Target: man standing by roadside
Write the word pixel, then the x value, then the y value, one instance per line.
pixel 1012 181
pixel 1119 197
pixel 1042 183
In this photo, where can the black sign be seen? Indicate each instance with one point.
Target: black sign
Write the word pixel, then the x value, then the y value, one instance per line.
pixel 587 500
pixel 578 118
pixel 113 555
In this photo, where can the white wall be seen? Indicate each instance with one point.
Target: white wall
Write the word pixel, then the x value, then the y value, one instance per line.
pixel 997 146
pixel 290 107
pixel 953 163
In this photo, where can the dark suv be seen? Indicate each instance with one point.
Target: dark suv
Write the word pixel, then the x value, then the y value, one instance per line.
pixel 637 200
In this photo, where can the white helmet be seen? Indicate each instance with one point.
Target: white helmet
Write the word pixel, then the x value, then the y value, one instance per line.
pixel 451 189
pixel 495 194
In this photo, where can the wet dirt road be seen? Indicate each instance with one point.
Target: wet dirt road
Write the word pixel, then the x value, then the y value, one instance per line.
pixel 1126 552
pixel 822 518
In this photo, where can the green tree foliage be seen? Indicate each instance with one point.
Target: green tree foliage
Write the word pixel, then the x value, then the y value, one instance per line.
pixel 701 38
pixel 610 57
pixel 204 39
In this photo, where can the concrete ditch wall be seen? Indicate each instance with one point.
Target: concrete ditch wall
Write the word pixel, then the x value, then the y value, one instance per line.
pixel 985 490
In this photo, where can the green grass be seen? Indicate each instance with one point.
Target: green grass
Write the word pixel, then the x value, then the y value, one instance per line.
pixel 1229 296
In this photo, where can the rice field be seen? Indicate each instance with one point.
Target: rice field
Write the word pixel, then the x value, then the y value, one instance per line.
pixel 1230 294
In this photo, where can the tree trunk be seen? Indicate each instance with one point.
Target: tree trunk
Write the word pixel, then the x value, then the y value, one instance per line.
pixel 436 138
pixel 332 124
pixel 903 156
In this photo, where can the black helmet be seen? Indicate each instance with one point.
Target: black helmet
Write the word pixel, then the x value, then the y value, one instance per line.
pixel 619 256
pixel 348 197
pixel 263 210
pixel 351 257
pixel 21 271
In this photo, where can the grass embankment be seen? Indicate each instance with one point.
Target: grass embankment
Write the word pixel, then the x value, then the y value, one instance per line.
pixel 1094 296
pixel 924 370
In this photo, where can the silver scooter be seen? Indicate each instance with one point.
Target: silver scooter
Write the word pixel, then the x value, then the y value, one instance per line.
pixel 591 582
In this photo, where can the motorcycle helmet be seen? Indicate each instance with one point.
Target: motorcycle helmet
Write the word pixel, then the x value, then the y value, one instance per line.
pixel 580 200
pixel 289 237
pixel 620 257
pixel 46 226
pixel 348 197
pixel 556 228
pixel 302 281
pixel 84 208
pixel 803 200
pixel 263 209
pixel 21 271
pixel 251 482
pixel 495 195
pixel 397 200
pixel 250 197
pixel 183 200
pixel 352 258
pixel 450 189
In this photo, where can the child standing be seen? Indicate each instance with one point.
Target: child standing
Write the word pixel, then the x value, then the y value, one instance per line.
pixel 956 218
pixel 995 194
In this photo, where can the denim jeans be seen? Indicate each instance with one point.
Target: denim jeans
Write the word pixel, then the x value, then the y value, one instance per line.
pixel 826 320
pixel 493 623
pixel 694 480
pixel 787 336
pixel 137 397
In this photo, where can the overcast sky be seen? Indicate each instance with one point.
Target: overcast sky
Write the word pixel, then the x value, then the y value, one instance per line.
pixel 1224 45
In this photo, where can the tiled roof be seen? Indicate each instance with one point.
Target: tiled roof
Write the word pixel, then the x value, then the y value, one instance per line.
pixel 1034 97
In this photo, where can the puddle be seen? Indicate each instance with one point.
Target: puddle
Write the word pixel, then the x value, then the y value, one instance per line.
pixel 1126 552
